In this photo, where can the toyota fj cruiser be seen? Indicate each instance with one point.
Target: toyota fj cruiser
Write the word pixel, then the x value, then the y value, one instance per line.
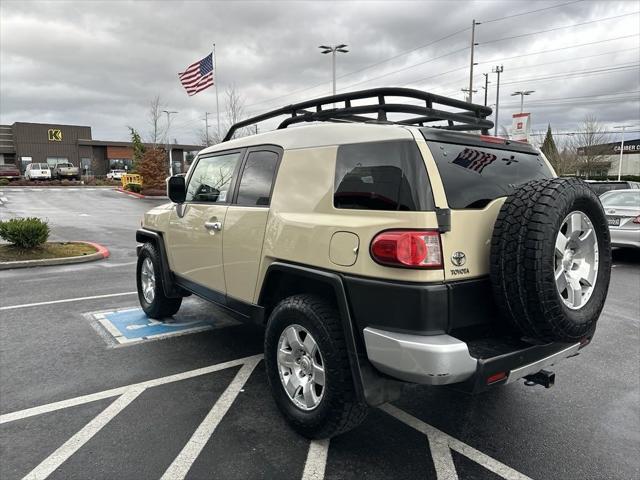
pixel 380 251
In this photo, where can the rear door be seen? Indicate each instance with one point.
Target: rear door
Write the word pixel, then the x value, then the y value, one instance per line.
pixel 477 173
pixel 196 227
pixel 246 221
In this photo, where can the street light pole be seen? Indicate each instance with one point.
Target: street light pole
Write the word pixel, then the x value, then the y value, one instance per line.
pixel 498 69
pixel 621 149
pixel 332 49
pixel 169 113
pixel 206 126
pixel 522 93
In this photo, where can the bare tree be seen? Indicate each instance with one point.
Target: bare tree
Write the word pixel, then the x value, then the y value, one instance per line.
pixel 233 105
pixel 589 147
pixel 157 129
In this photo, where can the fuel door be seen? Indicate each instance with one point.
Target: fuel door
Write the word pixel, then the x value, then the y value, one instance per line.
pixel 343 249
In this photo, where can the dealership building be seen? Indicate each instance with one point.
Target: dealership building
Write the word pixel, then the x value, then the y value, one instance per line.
pixel 24 143
pixel 608 155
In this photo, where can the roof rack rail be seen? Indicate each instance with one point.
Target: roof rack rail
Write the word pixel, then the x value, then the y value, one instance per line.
pixel 470 116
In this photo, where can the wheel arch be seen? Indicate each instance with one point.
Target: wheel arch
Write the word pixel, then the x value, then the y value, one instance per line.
pixel 143 236
pixel 283 280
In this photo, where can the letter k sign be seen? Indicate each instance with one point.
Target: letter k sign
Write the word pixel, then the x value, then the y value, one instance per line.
pixel 55 135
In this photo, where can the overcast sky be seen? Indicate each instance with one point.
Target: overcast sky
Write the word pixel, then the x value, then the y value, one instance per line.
pixel 100 63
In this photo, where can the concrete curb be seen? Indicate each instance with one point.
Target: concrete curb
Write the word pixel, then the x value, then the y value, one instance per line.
pixel 139 195
pixel 102 252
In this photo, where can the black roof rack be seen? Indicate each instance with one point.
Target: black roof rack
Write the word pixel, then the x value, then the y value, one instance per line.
pixel 469 116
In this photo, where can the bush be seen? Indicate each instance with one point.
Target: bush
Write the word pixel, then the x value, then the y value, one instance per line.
pixel 133 187
pixel 25 233
pixel 153 168
pixel 4 182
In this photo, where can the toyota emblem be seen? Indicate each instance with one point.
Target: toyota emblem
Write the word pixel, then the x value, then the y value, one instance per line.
pixel 458 259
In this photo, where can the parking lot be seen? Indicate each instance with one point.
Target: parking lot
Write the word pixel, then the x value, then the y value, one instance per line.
pixel 79 398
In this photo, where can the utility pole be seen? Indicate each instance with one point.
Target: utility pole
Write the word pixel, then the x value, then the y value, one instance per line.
pixel 621 149
pixel 473 44
pixel 206 126
pixel 497 69
pixel 169 113
pixel 486 87
pixel 466 90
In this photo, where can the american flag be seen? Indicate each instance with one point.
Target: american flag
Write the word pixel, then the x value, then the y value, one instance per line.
pixel 198 76
pixel 474 159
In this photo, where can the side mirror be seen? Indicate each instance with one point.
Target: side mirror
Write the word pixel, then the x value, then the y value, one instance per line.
pixel 176 189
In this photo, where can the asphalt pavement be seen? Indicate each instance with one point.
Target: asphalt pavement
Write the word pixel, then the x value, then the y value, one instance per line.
pixel 77 404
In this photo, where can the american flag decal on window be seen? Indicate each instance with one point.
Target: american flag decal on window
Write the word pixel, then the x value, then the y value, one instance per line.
pixel 474 159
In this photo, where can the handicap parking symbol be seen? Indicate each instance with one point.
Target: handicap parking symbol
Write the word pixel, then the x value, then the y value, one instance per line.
pixel 132 325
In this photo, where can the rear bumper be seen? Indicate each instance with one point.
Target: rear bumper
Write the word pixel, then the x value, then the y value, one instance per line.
pixel 625 237
pixel 444 360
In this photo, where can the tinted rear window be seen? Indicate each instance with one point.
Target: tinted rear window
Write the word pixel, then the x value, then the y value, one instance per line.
pixel 382 176
pixel 473 175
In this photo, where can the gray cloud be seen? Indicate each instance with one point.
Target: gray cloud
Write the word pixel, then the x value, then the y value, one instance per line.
pixel 100 63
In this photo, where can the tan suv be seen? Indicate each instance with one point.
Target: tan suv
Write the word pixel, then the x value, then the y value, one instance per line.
pixel 379 252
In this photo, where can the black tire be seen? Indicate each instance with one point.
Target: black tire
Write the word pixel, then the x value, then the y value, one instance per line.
pixel 161 306
pixel 339 409
pixel 523 260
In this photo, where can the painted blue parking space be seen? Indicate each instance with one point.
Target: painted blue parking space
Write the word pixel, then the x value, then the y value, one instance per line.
pixel 130 325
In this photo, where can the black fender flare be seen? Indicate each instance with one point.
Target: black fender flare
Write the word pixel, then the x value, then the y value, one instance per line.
pixel 370 385
pixel 143 235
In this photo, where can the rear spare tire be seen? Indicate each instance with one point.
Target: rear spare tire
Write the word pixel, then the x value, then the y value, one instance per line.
pixel 551 259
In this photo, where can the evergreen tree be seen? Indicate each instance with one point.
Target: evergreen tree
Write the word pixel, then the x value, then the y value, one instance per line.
pixel 138 148
pixel 550 150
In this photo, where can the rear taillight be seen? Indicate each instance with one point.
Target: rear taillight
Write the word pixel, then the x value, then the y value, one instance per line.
pixel 408 248
pixel 637 219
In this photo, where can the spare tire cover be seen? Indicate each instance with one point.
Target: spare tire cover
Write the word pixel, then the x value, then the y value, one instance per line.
pixel 551 259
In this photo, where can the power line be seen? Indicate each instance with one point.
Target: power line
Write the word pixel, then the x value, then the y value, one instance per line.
pixel 617 68
pixel 559 28
pixel 405 68
pixel 401 54
pixel 516 68
pixel 531 11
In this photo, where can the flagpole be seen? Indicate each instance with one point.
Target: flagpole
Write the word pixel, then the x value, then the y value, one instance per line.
pixel 215 69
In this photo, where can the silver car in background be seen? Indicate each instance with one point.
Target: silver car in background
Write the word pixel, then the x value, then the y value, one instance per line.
pixel 622 208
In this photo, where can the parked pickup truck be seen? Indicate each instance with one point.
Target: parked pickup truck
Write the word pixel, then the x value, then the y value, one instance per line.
pixel 65 170
pixel 10 172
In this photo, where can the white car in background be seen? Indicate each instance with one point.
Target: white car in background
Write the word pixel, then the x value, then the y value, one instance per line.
pixel 116 174
pixel 622 208
pixel 37 171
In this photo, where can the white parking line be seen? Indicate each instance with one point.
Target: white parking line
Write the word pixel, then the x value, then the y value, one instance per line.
pixel 316 460
pixel 114 392
pixel 66 300
pixel 183 462
pixel 71 446
pixel 438 440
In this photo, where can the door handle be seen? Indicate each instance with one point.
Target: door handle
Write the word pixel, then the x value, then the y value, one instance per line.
pixel 217 226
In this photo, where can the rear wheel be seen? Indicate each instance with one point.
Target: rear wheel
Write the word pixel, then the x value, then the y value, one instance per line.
pixel 151 294
pixel 308 368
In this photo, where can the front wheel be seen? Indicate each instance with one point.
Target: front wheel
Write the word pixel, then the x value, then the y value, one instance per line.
pixel 151 294
pixel 308 368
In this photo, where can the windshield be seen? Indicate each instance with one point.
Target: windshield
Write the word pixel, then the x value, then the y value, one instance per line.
pixel 621 199
pixel 7 167
pixel 65 165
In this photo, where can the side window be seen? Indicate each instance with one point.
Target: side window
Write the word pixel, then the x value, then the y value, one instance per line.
pixel 257 178
pixel 211 179
pixel 382 176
